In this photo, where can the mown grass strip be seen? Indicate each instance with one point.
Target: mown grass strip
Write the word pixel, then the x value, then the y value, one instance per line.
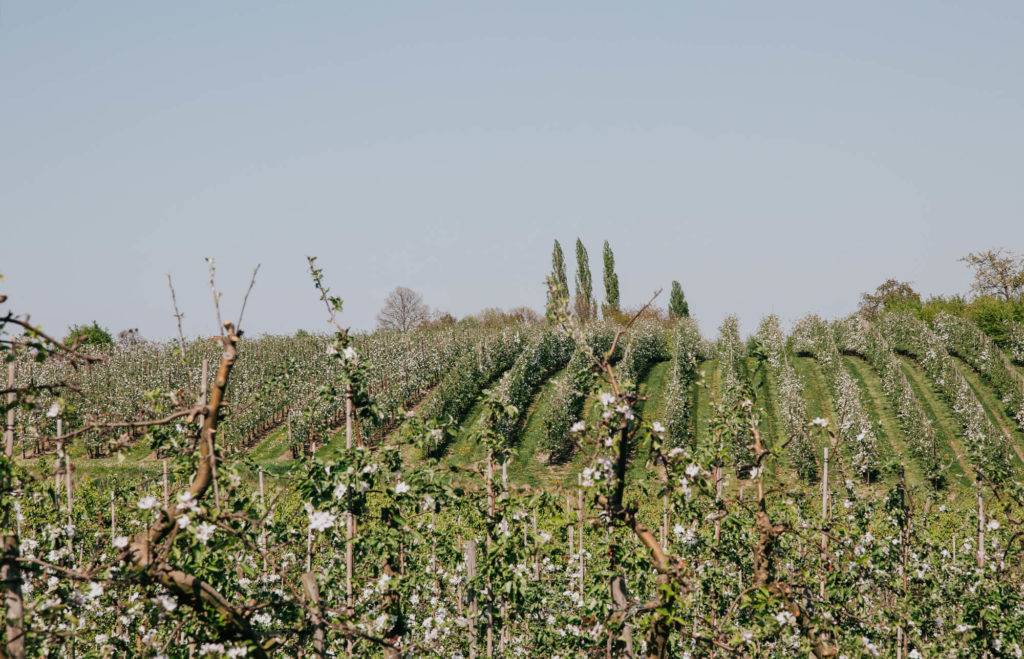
pixel 881 411
pixel 525 467
pixel 995 410
pixel 652 409
pixel 816 397
pixel 705 394
pixel 947 429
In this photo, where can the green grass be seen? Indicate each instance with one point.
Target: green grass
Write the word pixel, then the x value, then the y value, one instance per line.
pixel 652 385
pixel 525 468
pixel 996 412
pixel 271 447
pixel 652 409
pixel 882 413
pixel 765 388
pixel 947 429
pixel 817 398
pixel 704 394
pixel 466 449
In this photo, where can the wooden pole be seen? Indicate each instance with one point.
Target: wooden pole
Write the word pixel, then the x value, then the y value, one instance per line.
pixel 12 371
pixel 471 595
pixel 60 454
pixel 167 489
pixel 490 519
pixel 824 517
pixel 350 519
pixel 67 483
pixel 536 550
pixel 571 533
pixel 10 577
pixel 312 592
pixel 981 528
pixel 263 522
pixel 579 512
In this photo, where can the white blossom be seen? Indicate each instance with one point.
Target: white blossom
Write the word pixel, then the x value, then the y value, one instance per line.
pixel 321 520
pixel 204 532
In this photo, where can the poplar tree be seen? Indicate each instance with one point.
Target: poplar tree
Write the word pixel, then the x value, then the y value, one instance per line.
pixel 611 283
pixel 678 307
pixel 558 280
pixel 585 306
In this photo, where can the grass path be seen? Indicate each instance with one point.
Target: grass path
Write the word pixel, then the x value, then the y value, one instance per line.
pixel 766 389
pixel 525 467
pixel 704 396
pixel 995 410
pixel 652 409
pixel 271 447
pixel 882 412
pixel 947 428
pixel 816 397
pixel 465 449
pixel 652 385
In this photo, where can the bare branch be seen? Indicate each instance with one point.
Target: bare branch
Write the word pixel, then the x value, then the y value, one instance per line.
pixel 177 315
pixel 245 300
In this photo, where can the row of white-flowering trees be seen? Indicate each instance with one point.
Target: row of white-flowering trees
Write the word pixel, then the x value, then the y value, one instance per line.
pixel 988 447
pixel 858 336
pixel 813 336
pixel 363 552
pixel 964 339
pixel 790 396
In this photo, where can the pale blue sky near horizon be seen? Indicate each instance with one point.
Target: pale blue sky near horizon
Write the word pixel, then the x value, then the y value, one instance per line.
pixel 772 157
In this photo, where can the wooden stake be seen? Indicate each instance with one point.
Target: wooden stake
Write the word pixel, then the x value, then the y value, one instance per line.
pixel 12 371
pixel 824 517
pixel 312 592
pixel 67 483
pixel 167 490
pixel 471 594
pixel 536 550
pixel 350 519
pixel 981 528
pixel 10 577
pixel 579 494
pixel 60 454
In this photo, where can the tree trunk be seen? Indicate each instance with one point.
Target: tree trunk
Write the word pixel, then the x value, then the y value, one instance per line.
pixel 10 576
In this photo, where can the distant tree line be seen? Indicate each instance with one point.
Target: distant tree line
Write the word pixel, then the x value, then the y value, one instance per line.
pixel 583 303
pixel 996 302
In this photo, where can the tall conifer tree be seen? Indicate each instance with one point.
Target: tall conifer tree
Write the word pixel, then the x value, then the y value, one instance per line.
pixel 611 283
pixel 678 307
pixel 558 279
pixel 585 306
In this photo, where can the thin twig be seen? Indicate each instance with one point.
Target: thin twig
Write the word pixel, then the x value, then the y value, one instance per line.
pixel 178 316
pixel 245 300
pixel 216 296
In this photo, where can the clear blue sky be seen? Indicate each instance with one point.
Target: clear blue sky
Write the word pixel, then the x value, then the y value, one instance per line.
pixel 769 155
